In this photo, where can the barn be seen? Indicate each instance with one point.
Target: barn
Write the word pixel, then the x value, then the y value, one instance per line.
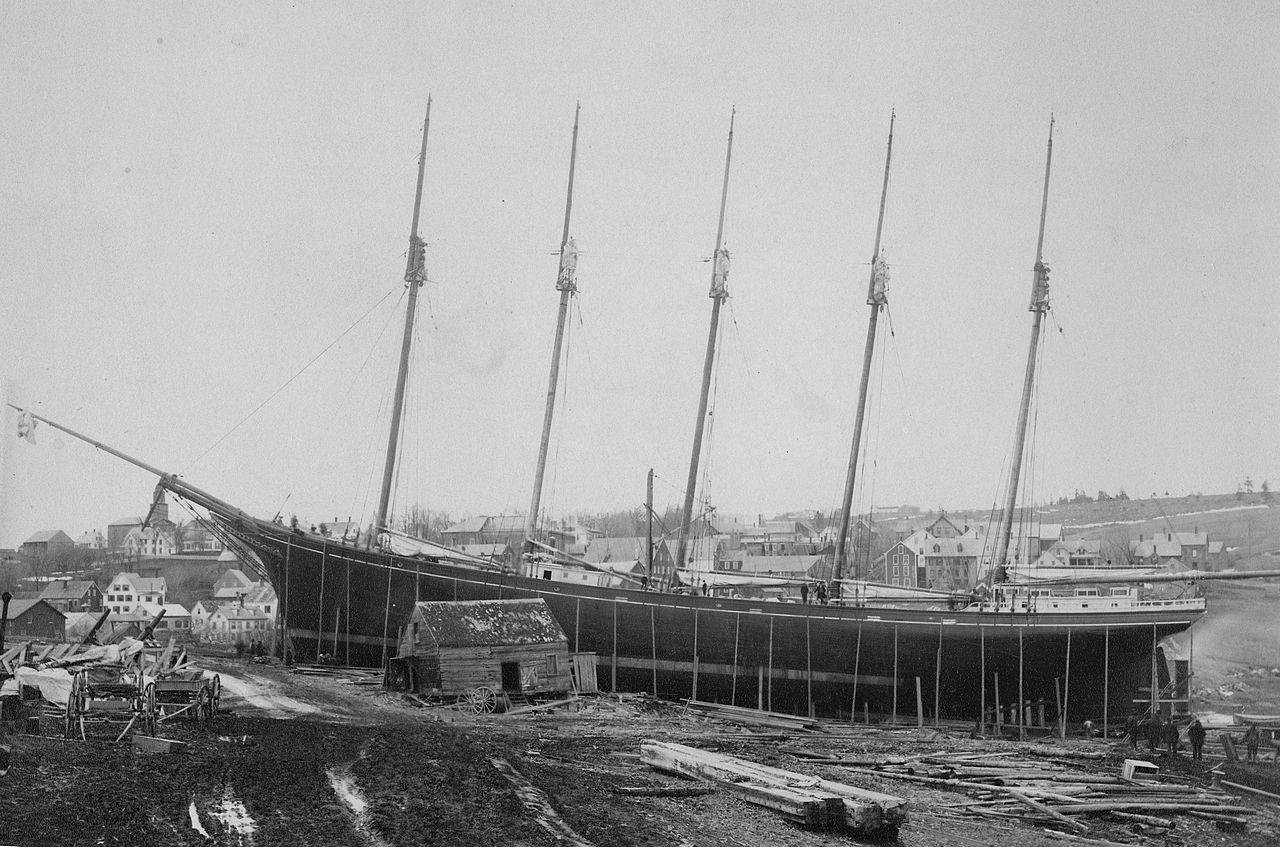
pixel 35 619
pixel 457 648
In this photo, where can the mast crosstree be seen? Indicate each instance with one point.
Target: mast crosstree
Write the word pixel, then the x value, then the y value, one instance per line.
pixel 566 284
pixel 718 294
pixel 414 276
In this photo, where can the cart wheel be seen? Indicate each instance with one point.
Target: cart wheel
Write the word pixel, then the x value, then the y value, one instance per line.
pixel 149 709
pixel 215 694
pixel 75 704
pixel 482 700
pixel 202 704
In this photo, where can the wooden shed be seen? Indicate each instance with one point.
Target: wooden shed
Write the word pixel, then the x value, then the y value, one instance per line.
pixel 452 648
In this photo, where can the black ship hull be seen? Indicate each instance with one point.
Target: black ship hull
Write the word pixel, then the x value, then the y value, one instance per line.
pixel 349 602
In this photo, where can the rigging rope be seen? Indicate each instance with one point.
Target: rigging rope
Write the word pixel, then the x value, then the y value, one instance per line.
pixel 287 382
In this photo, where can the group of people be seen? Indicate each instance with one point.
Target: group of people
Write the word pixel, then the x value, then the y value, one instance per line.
pixel 1161 732
pixel 819 592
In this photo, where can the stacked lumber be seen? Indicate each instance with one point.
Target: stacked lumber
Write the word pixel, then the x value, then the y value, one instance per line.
pixel 809 801
pixel 754 717
pixel 1051 792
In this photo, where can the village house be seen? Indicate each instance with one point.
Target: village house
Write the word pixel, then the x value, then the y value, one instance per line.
pixel 127 590
pixel 1192 549
pixel 73 595
pixel 901 565
pixel 35 619
pixel 633 549
pixel 47 542
pixel 782 538
pixel 232 585
pixel 487 529
pixel 198 538
pixel 92 540
pixel 201 612
pixel 1075 553
pixel 148 542
pixel 233 623
pixel 448 648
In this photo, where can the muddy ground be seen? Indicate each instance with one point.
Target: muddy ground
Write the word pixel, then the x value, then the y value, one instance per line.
pixel 300 760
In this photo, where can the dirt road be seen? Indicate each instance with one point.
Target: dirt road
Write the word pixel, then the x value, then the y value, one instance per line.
pixel 313 761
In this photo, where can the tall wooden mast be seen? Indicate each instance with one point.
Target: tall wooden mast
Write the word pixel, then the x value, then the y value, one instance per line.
pixel 1039 305
pixel 567 285
pixel 718 294
pixel 877 300
pixel 414 276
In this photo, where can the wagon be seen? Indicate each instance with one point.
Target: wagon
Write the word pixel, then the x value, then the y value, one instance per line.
pixel 110 694
pixel 188 693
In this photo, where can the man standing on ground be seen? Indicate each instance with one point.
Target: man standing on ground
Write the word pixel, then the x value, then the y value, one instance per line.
pixel 1196 734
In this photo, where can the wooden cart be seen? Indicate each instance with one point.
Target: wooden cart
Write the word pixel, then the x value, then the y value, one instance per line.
pixel 108 695
pixel 188 693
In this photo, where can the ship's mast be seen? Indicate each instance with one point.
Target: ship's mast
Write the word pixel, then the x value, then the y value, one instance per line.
pixel 1039 305
pixel 567 286
pixel 414 276
pixel 877 300
pixel 718 294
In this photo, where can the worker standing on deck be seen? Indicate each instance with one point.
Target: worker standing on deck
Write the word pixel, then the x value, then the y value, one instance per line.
pixel 1196 734
pixel 804 593
pixel 1131 731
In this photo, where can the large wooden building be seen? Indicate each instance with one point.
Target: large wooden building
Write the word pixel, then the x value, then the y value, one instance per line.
pixel 450 648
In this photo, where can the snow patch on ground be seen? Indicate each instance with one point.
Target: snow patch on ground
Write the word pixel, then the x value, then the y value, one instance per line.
pixel 232 814
pixel 344 785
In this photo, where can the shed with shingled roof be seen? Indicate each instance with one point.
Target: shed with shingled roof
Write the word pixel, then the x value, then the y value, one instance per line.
pixel 516 646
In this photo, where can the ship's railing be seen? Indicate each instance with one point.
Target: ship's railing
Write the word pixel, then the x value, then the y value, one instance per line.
pixel 1060 605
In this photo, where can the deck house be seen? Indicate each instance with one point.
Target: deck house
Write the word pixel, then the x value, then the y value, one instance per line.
pixel 448 648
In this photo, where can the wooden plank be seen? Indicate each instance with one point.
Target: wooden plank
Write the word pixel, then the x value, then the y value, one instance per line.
pixel 1045 810
pixel 149 744
pixel 854 808
pixel 662 790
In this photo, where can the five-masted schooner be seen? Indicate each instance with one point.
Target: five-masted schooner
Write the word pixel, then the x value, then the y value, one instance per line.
pixel 348 600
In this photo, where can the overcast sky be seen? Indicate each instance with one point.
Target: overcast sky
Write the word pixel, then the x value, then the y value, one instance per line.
pixel 200 198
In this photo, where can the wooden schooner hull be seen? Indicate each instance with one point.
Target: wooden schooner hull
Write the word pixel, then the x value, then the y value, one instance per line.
pixel 349 602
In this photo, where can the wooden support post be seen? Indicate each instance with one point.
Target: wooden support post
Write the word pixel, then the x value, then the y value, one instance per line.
pixel 808 655
pixel 613 667
pixel 1106 681
pixel 982 676
pixel 1155 690
pixel 1191 675
pixel 866 713
pixel 857 659
pixel 695 654
pixel 653 643
pixel 348 612
pixel 895 674
pixel 1057 693
pixel 324 560
pixel 577 618
pixel 760 688
pixel 733 689
pixel 770 691
pixel 919 706
pixel 386 613
pixel 1066 687
pixel 937 680
pixel 1022 730
pixel 998 706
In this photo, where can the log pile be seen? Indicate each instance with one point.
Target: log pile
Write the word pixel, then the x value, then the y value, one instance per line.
pixel 754 717
pixel 809 801
pixel 1052 793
